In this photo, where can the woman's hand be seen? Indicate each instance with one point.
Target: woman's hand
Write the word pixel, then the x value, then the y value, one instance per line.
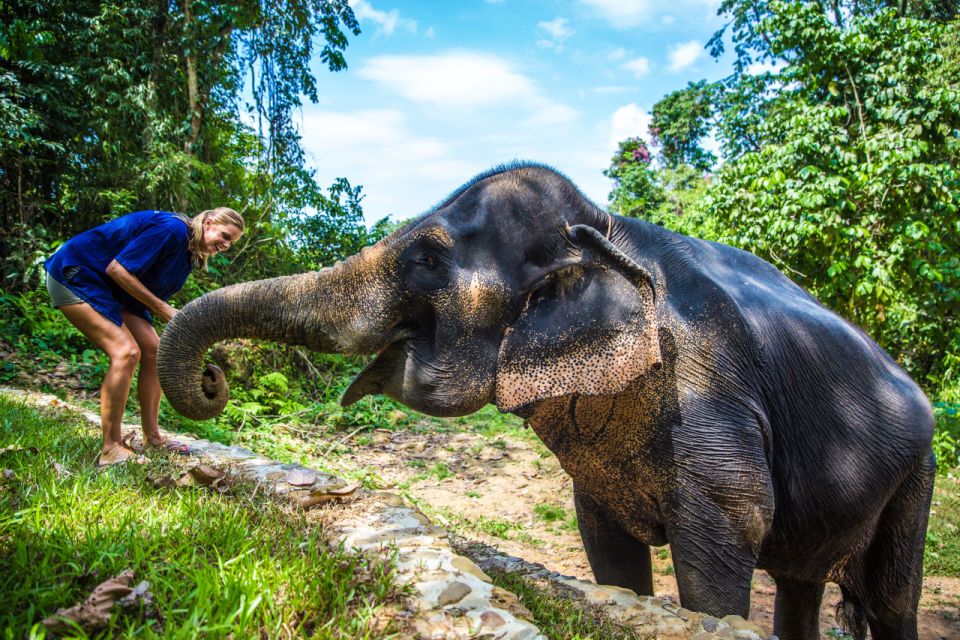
pixel 165 312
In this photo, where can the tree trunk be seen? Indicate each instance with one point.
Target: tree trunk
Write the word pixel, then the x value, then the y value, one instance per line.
pixel 193 107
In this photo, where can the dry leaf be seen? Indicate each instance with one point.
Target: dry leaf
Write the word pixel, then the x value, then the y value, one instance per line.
pixel 60 470
pixel 301 477
pixel 321 496
pixel 163 481
pixel 205 474
pixel 11 448
pixel 94 612
pixel 187 480
pixel 129 440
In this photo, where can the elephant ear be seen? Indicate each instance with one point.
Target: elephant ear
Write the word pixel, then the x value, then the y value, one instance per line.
pixel 590 330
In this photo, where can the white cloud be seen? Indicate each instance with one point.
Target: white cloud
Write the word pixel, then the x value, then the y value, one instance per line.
pixel 608 89
pixel 451 79
pixel 684 55
pixel 557 31
pixel 379 149
pixel 617 54
pixel 622 14
pixel 462 80
pixel 667 20
pixel 346 135
pixel 764 67
pixel 386 21
pixel 557 28
pixel 551 114
pixel 628 121
pixel 638 66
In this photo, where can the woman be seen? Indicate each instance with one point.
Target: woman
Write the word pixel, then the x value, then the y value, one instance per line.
pixel 107 281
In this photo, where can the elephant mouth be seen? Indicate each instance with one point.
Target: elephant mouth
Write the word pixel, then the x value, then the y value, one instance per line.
pixel 377 376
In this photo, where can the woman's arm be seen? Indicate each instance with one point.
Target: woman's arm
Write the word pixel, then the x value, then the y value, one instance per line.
pixel 129 283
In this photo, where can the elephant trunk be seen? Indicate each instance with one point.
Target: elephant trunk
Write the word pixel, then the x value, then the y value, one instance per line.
pixel 319 310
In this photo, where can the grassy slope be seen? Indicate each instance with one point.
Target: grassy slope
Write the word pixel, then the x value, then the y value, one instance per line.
pixel 217 565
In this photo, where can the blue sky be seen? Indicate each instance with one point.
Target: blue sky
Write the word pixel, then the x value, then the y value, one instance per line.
pixel 438 91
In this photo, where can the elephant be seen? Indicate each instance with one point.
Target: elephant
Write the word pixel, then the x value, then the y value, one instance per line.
pixel 695 395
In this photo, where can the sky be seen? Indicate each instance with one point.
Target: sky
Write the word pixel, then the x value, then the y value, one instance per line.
pixel 437 91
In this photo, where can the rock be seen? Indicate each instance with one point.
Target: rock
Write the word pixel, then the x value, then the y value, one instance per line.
pixel 739 624
pixel 710 624
pixel 503 599
pixel 391 499
pixel 453 592
pixel 467 566
pixel 491 620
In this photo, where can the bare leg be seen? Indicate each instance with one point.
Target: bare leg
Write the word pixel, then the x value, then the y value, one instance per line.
pixel 121 348
pixel 148 383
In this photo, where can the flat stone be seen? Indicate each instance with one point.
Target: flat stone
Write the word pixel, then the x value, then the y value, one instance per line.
pixel 391 499
pixel 468 566
pixel 239 453
pixel 522 633
pixel 453 592
pixel 491 620
pixel 739 624
pixel 710 624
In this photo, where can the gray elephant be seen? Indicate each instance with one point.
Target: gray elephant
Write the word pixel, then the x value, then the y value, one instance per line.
pixel 695 395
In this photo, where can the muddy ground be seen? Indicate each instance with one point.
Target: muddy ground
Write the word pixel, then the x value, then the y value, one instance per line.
pixel 507 490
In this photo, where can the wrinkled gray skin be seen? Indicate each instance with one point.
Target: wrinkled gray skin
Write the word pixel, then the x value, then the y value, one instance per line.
pixel 695 395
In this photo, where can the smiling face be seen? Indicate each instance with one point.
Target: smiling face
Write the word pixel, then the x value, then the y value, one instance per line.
pixel 218 236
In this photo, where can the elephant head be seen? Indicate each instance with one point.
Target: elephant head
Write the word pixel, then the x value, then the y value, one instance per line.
pixel 511 291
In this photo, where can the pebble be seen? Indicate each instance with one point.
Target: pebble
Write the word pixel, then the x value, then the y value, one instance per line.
pixel 453 592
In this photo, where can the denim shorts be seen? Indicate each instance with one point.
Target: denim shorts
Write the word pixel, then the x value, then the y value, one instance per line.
pixel 59 294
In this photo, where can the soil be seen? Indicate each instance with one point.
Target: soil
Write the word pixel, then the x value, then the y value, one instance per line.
pixel 489 488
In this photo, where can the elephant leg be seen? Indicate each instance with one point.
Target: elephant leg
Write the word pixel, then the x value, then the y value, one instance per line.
pixel 616 557
pixel 796 615
pixel 893 563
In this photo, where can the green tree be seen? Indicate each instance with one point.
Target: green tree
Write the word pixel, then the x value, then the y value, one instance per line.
pixel 336 230
pixel 853 187
pixel 115 106
pixel 680 120
pixel 636 192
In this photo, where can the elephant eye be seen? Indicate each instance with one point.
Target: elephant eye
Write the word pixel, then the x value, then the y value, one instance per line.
pixel 429 260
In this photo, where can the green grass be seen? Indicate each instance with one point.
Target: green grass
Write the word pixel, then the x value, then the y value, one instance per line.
pixel 555 514
pixel 942 551
pixel 218 565
pixel 560 619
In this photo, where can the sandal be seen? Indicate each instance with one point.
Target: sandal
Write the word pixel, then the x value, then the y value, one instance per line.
pixel 173 446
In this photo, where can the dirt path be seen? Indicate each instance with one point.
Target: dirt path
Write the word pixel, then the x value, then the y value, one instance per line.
pixel 511 493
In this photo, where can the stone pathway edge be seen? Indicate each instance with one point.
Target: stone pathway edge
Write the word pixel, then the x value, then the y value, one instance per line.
pixel 452 597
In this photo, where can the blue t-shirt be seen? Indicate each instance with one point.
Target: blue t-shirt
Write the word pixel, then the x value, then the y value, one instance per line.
pixel 152 245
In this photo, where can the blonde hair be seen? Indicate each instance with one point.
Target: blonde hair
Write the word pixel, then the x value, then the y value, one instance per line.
pixel 219 215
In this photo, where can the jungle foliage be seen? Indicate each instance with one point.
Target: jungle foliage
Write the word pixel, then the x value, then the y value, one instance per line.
pixel 840 139
pixel 109 107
